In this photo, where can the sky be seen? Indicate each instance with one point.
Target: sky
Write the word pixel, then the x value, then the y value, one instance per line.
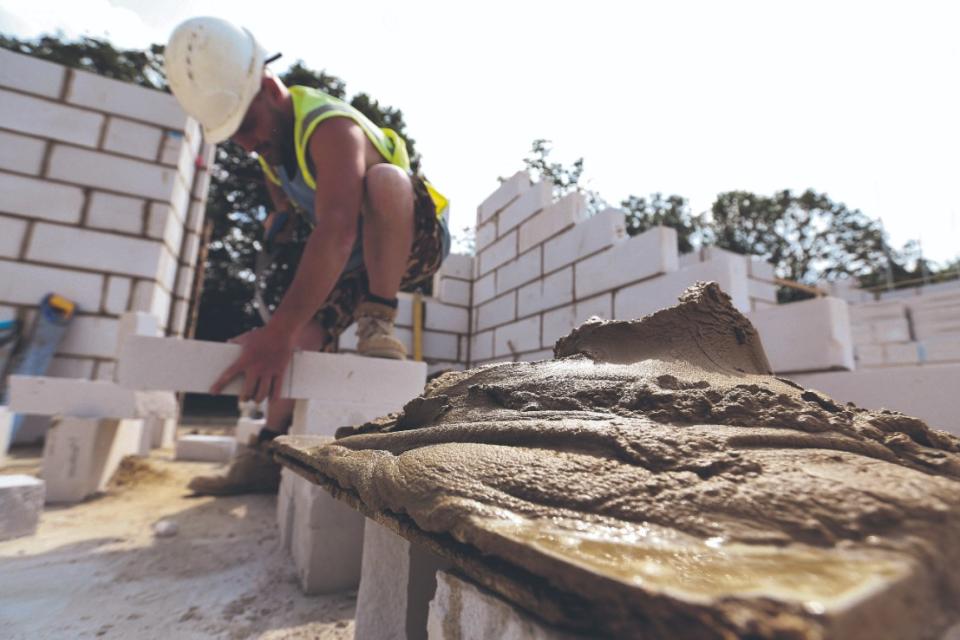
pixel 695 97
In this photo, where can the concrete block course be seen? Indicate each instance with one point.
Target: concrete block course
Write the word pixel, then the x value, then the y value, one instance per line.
pixel 12 232
pixel 118 293
pixel 445 317
pixel 509 190
pixel 26 284
pixel 648 254
pixel 525 268
pixel 22 154
pixel 457 266
pixel 484 289
pixel 593 234
pixel 116 213
pixel 652 295
pixel 551 291
pixel 496 312
pixel 554 218
pixel 398 580
pixel 525 206
pixel 485 235
pixel 21 503
pixel 39 199
pixel 126 99
pixel 500 252
pixel 926 391
pixel 49 119
pixel 453 291
pixel 93 336
pixel 30 74
pixel 204 448
pixel 89 249
pixel 481 346
pixel 132 138
pixel 110 172
pixel 517 337
pixel 81 455
pixel 461 609
pixel 323 418
pixel 811 335
pixel 80 368
pixel 86 399
pixel 441 346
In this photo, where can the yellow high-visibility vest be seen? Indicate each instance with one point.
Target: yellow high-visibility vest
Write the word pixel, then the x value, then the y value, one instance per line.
pixel 311 107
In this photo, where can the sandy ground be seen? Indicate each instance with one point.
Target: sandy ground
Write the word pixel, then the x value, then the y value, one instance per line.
pixel 96 570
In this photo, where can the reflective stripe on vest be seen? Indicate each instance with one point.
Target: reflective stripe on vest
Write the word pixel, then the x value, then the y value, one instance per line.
pixel 311 107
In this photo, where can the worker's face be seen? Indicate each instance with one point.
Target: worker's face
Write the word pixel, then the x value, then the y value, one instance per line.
pixel 262 129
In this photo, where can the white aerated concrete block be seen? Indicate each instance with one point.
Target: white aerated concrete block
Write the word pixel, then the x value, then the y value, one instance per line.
pixel 497 312
pixel 49 119
pixel 648 254
pixel 203 448
pixel 550 291
pixel 12 231
pixel 522 270
pixel 112 173
pixel 81 455
pixel 30 74
pixel 398 580
pixel 126 99
pixel 644 298
pixel 484 288
pixel 485 235
pixel 509 190
pixel 593 234
pixel 457 265
pixel 445 317
pixel 517 337
pixel 454 291
pixel 117 295
pixel 811 335
pixel 928 392
pixel 89 249
pixel 323 418
pixel 6 431
pixel 481 346
pixel 40 198
pixel 86 399
pixel 163 432
pixel 132 138
pixel 26 284
pixel 21 153
pixel 940 349
pixel 523 208
pixel 557 217
pixel 461 609
pixel 285 507
pixel 326 540
pixel 21 503
pixel 500 252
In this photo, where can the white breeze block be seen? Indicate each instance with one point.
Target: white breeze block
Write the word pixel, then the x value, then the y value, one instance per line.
pixel 162 432
pixel 110 172
pixel 40 199
pixel 21 503
pixel 12 231
pixel 71 368
pixel 461 609
pixel 484 289
pixel 640 257
pixel 26 284
pixel 897 330
pixel 500 252
pixel 550 291
pixel 444 317
pixel 873 311
pixel 6 431
pixel 557 217
pixel 285 507
pixel 593 234
pixel 30 74
pixel 868 355
pixel 117 295
pixel 86 399
pixel 496 312
pixel 457 265
pixel 21 153
pixel 397 582
pixel 760 269
pixel 126 99
pixel 928 392
pixel 763 291
pixel 895 354
pixel 663 291
pixel 118 213
pixel 81 455
pixel 454 291
pixel 481 346
pixel 203 448
pixel 509 190
pixel 517 337
pixel 90 336
pixel 441 346
pixel 520 271
pixel 940 349
pixel 132 138
pixel 484 236
pixel 811 335
pixel 48 119
pixel 89 249
pixel 530 202
pixel 326 540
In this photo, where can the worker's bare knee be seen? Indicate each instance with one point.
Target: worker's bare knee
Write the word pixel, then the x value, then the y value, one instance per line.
pixel 387 191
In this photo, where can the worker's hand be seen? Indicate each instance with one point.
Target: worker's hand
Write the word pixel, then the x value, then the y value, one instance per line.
pixel 263 364
pixel 283 234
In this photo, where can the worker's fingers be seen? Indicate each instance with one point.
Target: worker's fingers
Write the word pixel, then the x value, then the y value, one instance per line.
pixel 227 376
pixel 263 388
pixel 277 387
pixel 250 380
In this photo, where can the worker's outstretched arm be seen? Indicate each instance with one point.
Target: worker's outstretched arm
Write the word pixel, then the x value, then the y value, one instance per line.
pixel 337 150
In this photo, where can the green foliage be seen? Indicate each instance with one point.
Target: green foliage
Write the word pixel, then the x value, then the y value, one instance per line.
pixel 672 211
pixel 565 179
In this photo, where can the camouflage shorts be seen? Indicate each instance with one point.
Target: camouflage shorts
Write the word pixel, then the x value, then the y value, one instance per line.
pixel 431 244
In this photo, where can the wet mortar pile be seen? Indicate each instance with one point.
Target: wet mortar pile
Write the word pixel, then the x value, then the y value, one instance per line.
pixel 656 480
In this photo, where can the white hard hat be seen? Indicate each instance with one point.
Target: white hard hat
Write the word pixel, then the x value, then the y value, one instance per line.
pixel 214 69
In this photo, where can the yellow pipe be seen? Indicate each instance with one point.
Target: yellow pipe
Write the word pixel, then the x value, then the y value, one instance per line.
pixel 418 326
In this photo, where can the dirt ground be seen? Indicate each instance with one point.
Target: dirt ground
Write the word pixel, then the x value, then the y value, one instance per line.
pixel 96 569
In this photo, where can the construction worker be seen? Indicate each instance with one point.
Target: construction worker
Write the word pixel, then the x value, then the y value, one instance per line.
pixel 377 227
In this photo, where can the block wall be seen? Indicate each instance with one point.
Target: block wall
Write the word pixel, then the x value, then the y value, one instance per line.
pixel 102 196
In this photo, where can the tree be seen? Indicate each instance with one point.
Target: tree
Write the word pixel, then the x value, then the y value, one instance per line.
pixel 237 202
pixel 565 179
pixel 673 211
